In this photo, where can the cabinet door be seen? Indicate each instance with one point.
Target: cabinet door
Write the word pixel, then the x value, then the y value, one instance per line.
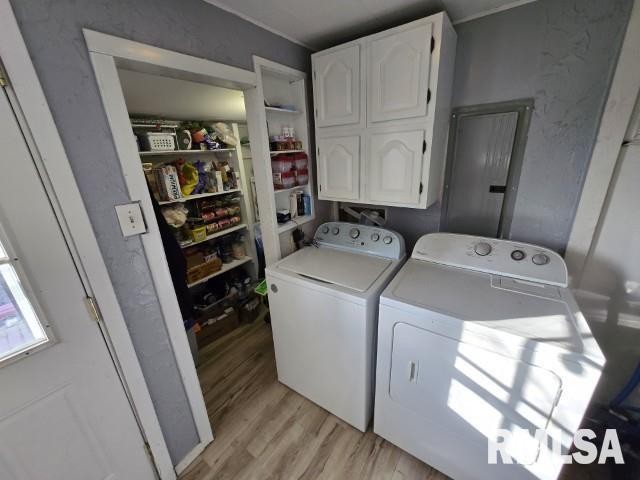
pixel 399 74
pixel 395 167
pixel 336 86
pixel 339 168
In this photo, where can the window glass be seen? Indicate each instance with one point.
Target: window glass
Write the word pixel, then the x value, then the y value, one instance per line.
pixel 20 328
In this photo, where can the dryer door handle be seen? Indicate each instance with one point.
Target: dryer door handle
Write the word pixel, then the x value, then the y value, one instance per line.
pixel 413 372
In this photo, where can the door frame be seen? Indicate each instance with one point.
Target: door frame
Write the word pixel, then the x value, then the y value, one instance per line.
pixel 106 53
pixel 50 158
pixel 524 108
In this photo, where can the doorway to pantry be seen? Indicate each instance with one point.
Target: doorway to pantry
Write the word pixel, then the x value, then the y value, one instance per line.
pixel 194 150
pixel 191 135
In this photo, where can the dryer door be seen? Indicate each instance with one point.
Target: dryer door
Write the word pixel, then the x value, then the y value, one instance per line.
pixel 470 392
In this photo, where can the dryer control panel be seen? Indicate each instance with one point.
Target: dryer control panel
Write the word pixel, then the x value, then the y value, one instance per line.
pixel 493 255
pixel 361 238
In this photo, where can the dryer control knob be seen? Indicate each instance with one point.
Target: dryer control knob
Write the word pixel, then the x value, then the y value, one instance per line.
pixel 375 237
pixel 335 230
pixel 483 249
pixel 354 233
pixel 325 229
pixel 518 255
pixel 387 240
pixel 540 259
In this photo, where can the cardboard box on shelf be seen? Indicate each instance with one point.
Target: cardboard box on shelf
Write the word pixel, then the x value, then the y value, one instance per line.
pixel 203 270
pixel 216 322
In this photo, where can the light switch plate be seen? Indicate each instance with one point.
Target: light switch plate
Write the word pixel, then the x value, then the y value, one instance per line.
pixel 131 219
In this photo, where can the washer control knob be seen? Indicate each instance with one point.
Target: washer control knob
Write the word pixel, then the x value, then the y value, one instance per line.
pixel 375 237
pixel 354 233
pixel 325 230
pixel 335 230
pixel 518 255
pixel 387 240
pixel 540 259
pixel 483 249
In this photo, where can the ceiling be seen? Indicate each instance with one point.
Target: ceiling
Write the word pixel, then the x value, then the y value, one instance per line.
pixel 318 24
pixel 163 97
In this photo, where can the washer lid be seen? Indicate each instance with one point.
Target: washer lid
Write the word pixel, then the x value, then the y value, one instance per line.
pixel 530 310
pixel 350 270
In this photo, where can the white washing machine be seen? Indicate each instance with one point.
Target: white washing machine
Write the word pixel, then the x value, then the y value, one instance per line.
pixel 475 335
pixel 324 309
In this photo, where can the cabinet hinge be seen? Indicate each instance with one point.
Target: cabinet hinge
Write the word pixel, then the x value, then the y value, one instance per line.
pixel 92 306
pixel 433 43
pixel 4 80
pixel 428 95
pixel 420 189
pixel 319 187
pixel 314 74
pixel 424 146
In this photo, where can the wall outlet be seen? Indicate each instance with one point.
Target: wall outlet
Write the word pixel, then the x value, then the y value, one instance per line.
pixel 131 219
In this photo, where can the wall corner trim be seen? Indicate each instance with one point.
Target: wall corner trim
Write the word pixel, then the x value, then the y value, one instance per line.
pixel 621 100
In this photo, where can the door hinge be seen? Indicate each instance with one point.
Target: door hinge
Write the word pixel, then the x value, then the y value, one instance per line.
pixel 4 79
pixel 433 43
pixel 420 189
pixel 147 448
pixel 92 306
pixel 428 95
pixel 424 146
pixel 319 187
pixel 314 74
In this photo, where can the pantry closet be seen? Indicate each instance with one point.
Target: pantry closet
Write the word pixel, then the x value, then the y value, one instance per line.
pixel 193 153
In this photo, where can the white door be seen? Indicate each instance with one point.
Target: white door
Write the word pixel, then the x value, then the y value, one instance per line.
pixel 64 414
pixel 336 87
pixel 399 74
pixel 339 168
pixel 395 167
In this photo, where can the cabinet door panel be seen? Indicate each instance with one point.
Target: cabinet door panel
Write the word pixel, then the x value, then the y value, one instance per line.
pixel 399 74
pixel 339 168
pixel 395 167
pixel 337 87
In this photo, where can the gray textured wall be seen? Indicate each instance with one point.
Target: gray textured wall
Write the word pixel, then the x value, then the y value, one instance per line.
pixel 562 53
pixel 53 33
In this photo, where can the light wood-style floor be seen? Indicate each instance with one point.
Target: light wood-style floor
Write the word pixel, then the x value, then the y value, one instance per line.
pixel 263 430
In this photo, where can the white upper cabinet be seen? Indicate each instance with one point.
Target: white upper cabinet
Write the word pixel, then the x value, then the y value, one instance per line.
pixel 336 86
pixel 383 105
pixel 398 82
pixel 339 168
pixel 395 165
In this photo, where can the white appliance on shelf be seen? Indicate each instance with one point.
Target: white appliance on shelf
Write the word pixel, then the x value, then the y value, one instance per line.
pixel 478 334
pixel 324 309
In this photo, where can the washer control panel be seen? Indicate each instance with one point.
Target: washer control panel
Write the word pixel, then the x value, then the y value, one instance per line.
pixel 361 238
pixel 492 255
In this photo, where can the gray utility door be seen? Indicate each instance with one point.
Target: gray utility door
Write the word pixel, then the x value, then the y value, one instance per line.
pixel 485 147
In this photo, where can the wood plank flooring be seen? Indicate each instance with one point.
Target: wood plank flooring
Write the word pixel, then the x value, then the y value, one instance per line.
pixel 263 430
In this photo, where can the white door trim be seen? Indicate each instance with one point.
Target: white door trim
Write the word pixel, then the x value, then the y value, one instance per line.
pixel 615 119
pixel 53 163
pixel 104 67
pixel 107 53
